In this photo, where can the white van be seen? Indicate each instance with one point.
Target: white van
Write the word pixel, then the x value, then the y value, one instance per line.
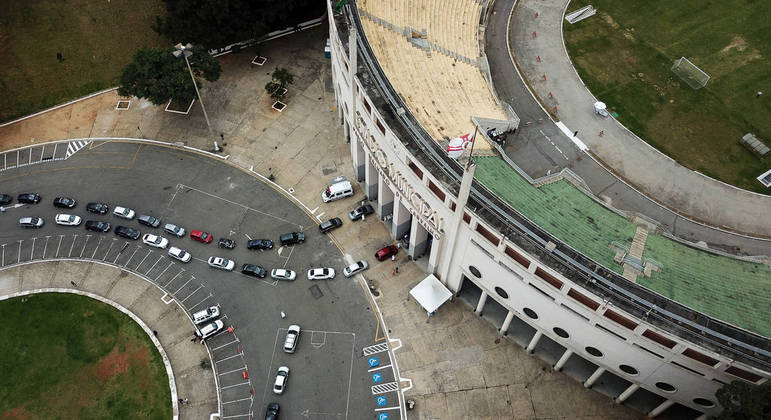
pixel 340 188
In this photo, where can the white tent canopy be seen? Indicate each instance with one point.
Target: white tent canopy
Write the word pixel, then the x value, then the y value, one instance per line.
pixel 430 294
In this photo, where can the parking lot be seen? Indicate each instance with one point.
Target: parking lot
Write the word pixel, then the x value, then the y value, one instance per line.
pixel 329 374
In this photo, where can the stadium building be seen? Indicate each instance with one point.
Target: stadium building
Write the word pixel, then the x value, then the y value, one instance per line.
pixel 629 311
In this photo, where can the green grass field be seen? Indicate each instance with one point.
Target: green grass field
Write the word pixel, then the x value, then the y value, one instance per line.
pixel 624 55
pixel 96 38
pixel 67 356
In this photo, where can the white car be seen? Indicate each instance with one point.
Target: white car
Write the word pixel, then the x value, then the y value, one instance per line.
pixel 210 329
pixel 206 314
pixel 282 274
pixel 222 263
pixel 282 376
pixel 323 273
pixel 175 230
pixel 180 254
pixel 67 219
pixel 31 222
pixel 292 336
pixel 155 241
pixel 355 268
pixel 123 212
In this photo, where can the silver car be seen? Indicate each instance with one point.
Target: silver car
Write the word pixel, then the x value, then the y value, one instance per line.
pixel 123 212
pixel 173 229
pixel 355 268
pixel 67 219
pixel 31 222
pixel 283 274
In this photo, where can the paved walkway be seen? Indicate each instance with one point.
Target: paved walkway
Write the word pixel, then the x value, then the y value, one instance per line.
pixel 143 299
pixel 673 185
pixel 453 375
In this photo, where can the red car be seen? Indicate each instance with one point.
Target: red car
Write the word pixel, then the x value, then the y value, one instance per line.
pixel 386 252
pixel 201 236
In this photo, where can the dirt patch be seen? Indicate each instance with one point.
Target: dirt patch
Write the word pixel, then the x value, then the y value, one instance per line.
pixel 14 413
pixel 739 43
pixel 112 365
pixel 607 18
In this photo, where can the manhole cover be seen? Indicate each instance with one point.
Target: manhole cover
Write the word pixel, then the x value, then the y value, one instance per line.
pixel 316 291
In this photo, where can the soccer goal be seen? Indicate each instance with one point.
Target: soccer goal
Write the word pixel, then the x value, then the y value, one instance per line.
pixel 690 74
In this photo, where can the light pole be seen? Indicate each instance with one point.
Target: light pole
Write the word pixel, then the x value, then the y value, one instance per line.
pixel 186 51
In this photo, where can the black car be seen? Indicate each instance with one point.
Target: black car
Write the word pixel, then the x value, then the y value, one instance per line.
pixel 148 220
pixel 259 244
pixel 227 243
pixel 97 226
pixel 5 199
pixel 292 238
pixel 64 202
pixel 330 224
pixel 271 413
pixel 360 212
pixel 253 270
pixel 127 232
pixel 29 198
pixel 98 208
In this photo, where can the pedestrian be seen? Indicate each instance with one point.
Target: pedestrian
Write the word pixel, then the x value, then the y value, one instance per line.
pixel 59 57
pixel 602 133
pixel 575 133
pixel 397 269
pixel 398 245
pixel 155 333
pixel 757 95
pixel 393 257
pixel 186 401
pixel 283 315
pixel 222 136
pixel 73 283
pixel 393 273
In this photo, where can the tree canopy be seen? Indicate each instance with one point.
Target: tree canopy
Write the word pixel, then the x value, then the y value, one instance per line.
pixel 158 76
pixel 216 23
pixel 741 401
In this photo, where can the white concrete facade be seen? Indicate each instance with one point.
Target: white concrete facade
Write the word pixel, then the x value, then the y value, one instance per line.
pixel 561 313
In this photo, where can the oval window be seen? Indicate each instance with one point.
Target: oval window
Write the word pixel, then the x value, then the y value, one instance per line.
pixel 530 313
pixel 593 351
pixel 560 332
pixel 665 387
pixel 628 370
pixel 703 402
pixel 502 293
pixel 475 271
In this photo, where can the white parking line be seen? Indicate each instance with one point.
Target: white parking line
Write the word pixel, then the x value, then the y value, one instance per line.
pixel 131 257
pixel 143 260
pixel 232 386
pixel 59 246
pixel 164 270
pixel 235 401
pixel 98 244
pixel 202 301
pixel 18 258
pixel 194 291
pixel 238 416
pixel 180 287
pixel 240 205
pixel 32 252
pixel 74 238
pixel 2 263
pixel 172 279
pixel 84 246
pixel 241 369
pixel 227 358
pixel 379 367
pixel 224 345
pixel 156 263
pixel 109 249
pixel 387 408
pixel 45 247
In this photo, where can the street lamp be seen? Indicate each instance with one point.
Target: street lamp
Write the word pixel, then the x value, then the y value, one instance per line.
pixel 186 51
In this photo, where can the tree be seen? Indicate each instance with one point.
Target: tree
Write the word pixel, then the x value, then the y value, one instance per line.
pixel 280 80
pixel 158 76
pixel 741 401
pixel 216 23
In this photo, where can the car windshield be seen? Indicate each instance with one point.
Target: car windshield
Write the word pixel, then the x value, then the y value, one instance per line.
pixel 204 235
pixel 157 240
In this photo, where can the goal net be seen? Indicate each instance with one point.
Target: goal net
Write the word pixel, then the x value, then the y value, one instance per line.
pixel 690 74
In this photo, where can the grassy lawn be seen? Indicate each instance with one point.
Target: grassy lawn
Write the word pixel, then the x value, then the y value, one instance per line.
pixel 95 37
pixel 624 55
pixel 72 357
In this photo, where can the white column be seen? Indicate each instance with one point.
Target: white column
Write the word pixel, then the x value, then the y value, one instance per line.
pixel 401 220
pixel 481 304
pixel 564 359
pixel 454 226
pixel 433 256
pixel 506 323
pixel 534 341
pixel 418 239
pixel 592 379
pixel 660 409
pixel 627 393
pixel 370 179
pixel 385 197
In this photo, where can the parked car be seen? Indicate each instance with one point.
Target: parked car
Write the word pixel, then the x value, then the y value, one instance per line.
pixel 221 263
pixel 5 199
pixel 97 226
pixel 330 224
pixel 271 411
pixel 259 244
pixel 385 253
pixel 355 268
pixel 201 236
pixel 123 212
pixel 291 338
pixel 127 232
pixel 180 254
pixel 292 238
pixel 28 198
pixel 210 329
pixel 148 220
pixel 173 229
pixel 207 314
pixel 155 241
pixel 64 202
pixel 67 219
pixel 360 212
pixel 282 377
pixel 98 208
pixel 31 222
pixel 321 273
pixel 253 270
pixel 226 243
pixel 283 274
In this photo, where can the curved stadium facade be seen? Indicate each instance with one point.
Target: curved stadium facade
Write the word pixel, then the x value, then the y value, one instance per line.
pixel 637 315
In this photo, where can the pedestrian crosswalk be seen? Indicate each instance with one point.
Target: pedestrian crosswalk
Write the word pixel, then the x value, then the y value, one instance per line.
pixel 74 146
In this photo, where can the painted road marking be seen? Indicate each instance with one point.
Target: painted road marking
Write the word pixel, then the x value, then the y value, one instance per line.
pixel 45 247
pixel 143 260
pixel 194 291
pixel 156 263
pixel 84 246
pixel 372 361
pixel 381 401
pixel 377 348
pixel 131 257
pixel 18 257
pixel 109 249
pixel 164 270
pixel 74 238
pixel 379 368
pixel 59 246
pixel 377 377
pixel 182 270
pixel 97 247
pixel 382 416
pixel 32 251
pixel 383 388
